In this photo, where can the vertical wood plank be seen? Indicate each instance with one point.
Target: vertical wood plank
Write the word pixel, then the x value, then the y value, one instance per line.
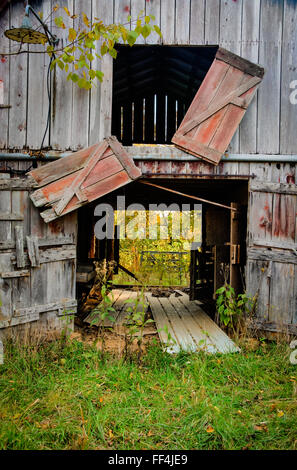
pixel 18 87
pixel 230 38
pixel 153 7
pixel 61 119
pixel 288 121
pixel 116 120
pixel 39 282
pixel 168 21
pixel 55 281
pixel 19 243
pixel 197 22
pixel 5 287
pixel 106 98
pixel 81 97
pixel 281 290
pixel 212 22
pixel 250 50
pixel 269 92
pixel 38 100
pixel 101 94
pixel 103 113
pixel 5 206
pixel 137 9
pixel 259 282
pixel 122 9
pixel 182 22
pixel 4 76
pixel 260 216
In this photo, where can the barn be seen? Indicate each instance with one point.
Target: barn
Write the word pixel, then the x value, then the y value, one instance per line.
pixel 191 114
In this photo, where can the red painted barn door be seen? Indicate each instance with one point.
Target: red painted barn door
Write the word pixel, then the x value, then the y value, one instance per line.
pixel 218 106
pixel 82 177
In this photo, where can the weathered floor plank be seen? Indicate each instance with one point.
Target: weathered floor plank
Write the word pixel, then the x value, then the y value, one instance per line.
pixel 189 325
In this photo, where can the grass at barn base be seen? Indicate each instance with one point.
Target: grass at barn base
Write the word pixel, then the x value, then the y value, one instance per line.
pixel 56 397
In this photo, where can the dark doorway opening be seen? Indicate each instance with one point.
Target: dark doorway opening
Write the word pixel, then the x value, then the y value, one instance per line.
pixel 153 87
pixel 223 241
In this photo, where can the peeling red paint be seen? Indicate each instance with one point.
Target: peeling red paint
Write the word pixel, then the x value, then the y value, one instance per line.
pixel 284 217
pixel 290 179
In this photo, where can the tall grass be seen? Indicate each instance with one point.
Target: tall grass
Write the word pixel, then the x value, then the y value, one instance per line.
pixel 61 396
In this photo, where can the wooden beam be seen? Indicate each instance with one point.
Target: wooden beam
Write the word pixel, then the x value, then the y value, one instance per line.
pixel 190 196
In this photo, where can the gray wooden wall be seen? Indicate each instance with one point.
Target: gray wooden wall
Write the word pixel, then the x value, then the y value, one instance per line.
pixel 262 31
pixel 36 295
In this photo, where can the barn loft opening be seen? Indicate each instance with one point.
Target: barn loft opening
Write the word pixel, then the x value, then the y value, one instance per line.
pixel 153 86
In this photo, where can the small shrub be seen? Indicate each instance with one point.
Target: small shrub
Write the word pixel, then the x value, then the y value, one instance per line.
pixel 231 307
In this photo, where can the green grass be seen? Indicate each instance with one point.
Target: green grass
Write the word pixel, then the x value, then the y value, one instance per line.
pixel 56 397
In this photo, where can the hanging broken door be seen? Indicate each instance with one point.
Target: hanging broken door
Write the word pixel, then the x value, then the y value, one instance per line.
pixel 218 107
pixel 82 177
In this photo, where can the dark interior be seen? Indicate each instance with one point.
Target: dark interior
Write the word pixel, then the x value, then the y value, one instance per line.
pixel 153 87
pixel 206 275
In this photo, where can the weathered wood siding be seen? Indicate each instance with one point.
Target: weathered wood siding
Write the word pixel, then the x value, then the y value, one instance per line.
pixel 271 267
pixel 260 30
pixel 37 264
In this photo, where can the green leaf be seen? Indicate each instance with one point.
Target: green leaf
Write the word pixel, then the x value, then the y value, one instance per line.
pixel 60 64
pixel 74 77
pixel 147 19
pixel 157 29
pixel 104 48
pixel 146 31
pixel 99 75
pixel 71 35
pixel 220 290
pixel 53 64
pixel 59 21
pixel 92 74
pixel 131 37
pixel 113 53
pixel 90 57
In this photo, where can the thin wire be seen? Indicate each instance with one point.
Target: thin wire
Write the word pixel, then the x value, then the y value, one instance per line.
pixel 49 102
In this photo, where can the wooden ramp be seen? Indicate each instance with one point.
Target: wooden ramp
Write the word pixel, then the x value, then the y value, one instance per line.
pixel 190 328
pixel 188 325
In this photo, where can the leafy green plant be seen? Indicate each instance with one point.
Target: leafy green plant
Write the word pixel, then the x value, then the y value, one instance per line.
pixel 135 322
pixel 90 40
pixel 102 313
pixel 231 307
pixel 87 41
